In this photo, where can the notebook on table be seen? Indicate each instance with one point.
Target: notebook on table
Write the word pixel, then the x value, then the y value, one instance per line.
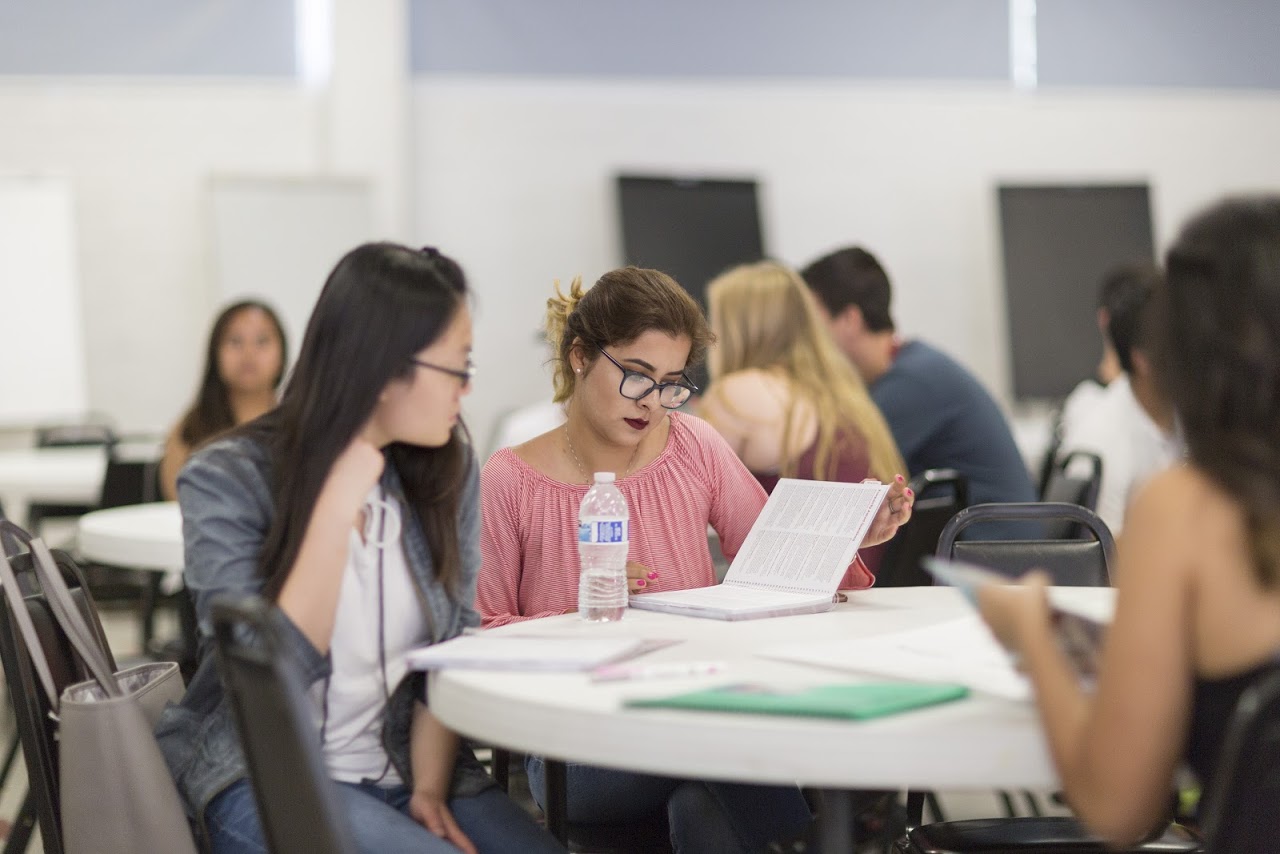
pixel 793 558
pixel 851 701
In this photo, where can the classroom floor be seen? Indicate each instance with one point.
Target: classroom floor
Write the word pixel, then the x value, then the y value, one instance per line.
pixel 121 626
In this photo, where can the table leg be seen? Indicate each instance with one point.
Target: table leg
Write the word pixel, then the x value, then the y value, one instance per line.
pixel 556 806
pixel 835 822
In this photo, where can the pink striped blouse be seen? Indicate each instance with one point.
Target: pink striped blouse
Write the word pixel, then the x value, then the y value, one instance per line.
pixel 528 539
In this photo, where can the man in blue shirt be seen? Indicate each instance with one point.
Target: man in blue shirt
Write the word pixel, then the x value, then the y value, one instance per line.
pixel 940 415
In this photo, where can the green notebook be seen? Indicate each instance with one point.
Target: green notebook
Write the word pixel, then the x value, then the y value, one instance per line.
pixel 859 701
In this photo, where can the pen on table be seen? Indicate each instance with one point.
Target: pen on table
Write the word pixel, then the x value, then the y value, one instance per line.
pixel 619 672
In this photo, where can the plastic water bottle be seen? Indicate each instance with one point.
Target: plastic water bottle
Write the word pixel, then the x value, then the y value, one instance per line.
pixel 603 522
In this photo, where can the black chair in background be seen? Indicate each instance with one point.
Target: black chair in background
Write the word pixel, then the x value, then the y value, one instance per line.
pixel 66 436
pixel 1240 812
pixel 1071 563
pixel 940 494
pixel 1074 479
pixel 37 729
pixel 298 804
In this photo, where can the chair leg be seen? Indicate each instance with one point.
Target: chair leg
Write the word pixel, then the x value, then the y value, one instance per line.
pixel 556 807
pixel 24 826
pixel 1006 800
pixel 1033 803
pixel 149 601
pixel 934 806
pixel 9 757
pixel 915 809
pixel 502 767
pixel 835 822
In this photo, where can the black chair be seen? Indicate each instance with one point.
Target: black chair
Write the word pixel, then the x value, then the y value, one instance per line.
pixel 939 495
pixel 66 436
pixel 298 804
pixel 1074 479
pixel 1070 563
pixel 1239 812
pixel 37 730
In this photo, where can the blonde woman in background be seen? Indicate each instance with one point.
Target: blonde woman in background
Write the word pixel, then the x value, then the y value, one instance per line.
pixel 783 397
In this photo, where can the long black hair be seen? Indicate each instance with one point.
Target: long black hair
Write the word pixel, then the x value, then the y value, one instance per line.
pixel 381 305
pixel 1219 359
pixel 210 413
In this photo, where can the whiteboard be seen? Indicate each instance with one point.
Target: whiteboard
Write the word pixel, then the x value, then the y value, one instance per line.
pixel 42 361
pixel 277 239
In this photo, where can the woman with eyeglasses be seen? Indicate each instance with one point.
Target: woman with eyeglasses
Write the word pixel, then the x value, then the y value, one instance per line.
pixel 622 350
pixel 352 506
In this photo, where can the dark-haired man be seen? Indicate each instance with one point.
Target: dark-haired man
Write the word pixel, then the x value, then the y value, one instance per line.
pixel 940 415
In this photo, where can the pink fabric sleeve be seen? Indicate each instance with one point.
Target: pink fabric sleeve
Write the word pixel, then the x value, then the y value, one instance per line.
pixel 502 559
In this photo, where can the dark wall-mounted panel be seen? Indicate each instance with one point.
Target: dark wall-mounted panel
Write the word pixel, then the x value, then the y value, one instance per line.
pixel 148 37
pixel 905 39
pixel 1187 43
pixel 1058 242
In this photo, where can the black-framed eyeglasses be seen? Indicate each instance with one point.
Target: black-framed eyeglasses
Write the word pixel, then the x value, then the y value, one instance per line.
pixel 636 386
pixel 464 376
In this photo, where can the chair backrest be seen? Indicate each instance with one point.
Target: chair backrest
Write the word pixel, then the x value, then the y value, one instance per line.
pixel 74 435
pixel 940 494
pixel 37 730
pixel 1074 479
pixel 132 475
pixel 1239 812
pixel 298 806
pixel 1069 562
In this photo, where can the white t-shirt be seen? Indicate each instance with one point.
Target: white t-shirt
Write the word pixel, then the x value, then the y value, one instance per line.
pixel 1132 447
pixel 362 679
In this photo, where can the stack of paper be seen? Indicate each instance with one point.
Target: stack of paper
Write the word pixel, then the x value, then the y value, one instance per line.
pixel 960 651
pixel 523 652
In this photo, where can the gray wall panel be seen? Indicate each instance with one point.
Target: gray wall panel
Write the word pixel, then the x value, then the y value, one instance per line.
pixel 1197 43
pixel 904 39
pixel 145 37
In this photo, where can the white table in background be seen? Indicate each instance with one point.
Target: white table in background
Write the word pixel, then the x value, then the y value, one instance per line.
pixel 50 475
pixel 139 536
pixel 979 743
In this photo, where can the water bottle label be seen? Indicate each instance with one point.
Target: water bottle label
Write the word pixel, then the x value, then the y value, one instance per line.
pixel 602 530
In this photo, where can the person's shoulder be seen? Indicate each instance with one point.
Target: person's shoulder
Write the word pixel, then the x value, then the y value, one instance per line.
pixel 1171 501
pixel 232 453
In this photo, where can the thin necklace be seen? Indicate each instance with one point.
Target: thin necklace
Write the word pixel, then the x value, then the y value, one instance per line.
pixel 583 469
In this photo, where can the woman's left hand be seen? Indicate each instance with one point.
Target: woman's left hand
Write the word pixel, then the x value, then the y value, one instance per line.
pixel 430 810
pixel 639 577
pixel 1009 609
pixel 894 512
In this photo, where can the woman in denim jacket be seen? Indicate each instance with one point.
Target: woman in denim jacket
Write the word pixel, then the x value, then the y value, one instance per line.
pixel 354 507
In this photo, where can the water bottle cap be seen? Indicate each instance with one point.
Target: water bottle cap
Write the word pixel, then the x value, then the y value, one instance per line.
pixel 604 477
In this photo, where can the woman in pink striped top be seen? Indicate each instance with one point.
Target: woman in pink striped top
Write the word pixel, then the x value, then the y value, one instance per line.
pixel 621 352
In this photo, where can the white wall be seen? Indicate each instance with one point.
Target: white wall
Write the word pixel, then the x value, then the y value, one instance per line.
pixel 140 155
pixel 515 178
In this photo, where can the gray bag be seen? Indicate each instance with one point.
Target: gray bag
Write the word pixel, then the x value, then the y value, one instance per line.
pixel 116 791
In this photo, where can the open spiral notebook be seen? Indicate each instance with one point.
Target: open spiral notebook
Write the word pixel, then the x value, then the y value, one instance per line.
pixel 793 558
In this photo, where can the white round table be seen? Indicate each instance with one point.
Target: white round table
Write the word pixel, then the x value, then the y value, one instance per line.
pixel 982 742
pixel 51 475
pixel 140 536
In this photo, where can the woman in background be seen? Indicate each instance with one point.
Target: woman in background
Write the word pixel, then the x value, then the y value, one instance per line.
pixel 782 395
pixel 243 368
pixel 1197 617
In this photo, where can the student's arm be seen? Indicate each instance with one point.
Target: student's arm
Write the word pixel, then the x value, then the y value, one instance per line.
pixel 501 552
pixel 432 751
pixel 1116 753
pixel 469 547
pixel 309 596
pixel 176 454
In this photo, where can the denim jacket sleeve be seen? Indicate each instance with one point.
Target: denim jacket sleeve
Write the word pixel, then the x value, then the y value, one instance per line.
pixel 226 513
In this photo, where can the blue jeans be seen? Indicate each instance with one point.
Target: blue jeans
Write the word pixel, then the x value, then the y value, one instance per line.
pixel 703 816
pixel 380 822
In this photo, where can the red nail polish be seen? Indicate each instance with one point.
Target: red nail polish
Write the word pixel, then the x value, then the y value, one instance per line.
pixel 909 492
pixel 640 583
pixel 653 573
pixel 898 478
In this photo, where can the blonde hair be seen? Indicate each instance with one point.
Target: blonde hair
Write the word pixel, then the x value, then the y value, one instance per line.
pixel 621 306
pixel 766 319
